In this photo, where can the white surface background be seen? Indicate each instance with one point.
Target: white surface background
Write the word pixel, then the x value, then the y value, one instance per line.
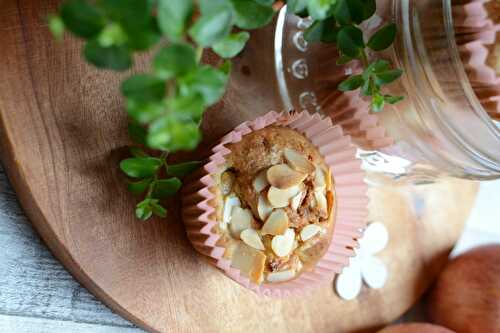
pixel 37 295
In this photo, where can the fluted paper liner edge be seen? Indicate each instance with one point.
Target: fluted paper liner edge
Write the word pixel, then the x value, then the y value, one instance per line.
pixel 351 197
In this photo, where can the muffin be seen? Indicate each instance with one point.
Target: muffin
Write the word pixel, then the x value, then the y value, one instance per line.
pixel 264 208
pixel 275 204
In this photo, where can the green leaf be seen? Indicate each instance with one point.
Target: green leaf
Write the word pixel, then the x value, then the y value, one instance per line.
pixel 140 167
pixel 113 57
pixel 174 60
pixel 342 12
pixel 322 31
pixel 226 67
pixel 144 87
pixel 268 3
pixel 383 38
pixel 172 134
pixel 166 187
pixel 137 133
pixel 231 45
pixel 319 9
pixel 250 14
pixel 132 14
pixel 352 83
pixel 207 81
pixel 56 26
pixel 138 152
pixel 143 210
pixel 189 105
pixel 173 16
pixel 211 27
pixel 369 7
pixel 393 99
pixel 82 18
pixel 343 59
pixel 183 169
pixel 387 77
pixel 158 209
pixel 140 186
pixel 144 111
pixel 208 7
pixel 143 39
pixel 350 41
pixel 112 34
pixel 378 103
pixel 369 88
pixel 296 6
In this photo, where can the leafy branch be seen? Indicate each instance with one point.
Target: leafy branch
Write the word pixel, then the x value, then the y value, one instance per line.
pixel 337 21
pixel 165 106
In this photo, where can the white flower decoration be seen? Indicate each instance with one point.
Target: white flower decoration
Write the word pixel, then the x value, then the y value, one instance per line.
pixel 365 266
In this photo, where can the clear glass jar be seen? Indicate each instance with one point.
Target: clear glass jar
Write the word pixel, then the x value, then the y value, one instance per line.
pixel 440 129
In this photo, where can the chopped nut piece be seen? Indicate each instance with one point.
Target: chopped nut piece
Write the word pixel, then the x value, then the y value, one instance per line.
pixel 282 245
pixel 264 208
pixel 252 238
pixel 321 203
pixel 298 161
pixel 241 219
pixel 280 276
pixel 276 224
pixel 283 177
pixel 319 179
pixel 226 181
pixel 260 182
pixel 249 261
pixel 281 198
pixel 309 231
pixel 230 202
pixel 329 200
pixel 297 201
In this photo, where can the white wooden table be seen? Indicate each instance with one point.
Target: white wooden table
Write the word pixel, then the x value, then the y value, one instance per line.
pixel 37 295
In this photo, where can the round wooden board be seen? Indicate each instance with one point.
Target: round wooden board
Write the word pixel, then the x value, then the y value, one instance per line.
pixel 63 132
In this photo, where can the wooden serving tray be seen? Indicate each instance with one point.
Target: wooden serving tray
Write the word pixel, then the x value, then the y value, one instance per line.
pixel 63 132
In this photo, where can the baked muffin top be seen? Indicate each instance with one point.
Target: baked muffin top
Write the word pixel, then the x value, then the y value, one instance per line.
pixel 275 205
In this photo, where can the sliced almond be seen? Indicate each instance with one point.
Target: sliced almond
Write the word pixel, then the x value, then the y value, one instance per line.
pixel 276 223
pixel 280 276
pixel 226 182
pixel 297 201
pixel 283 177
pixel 319 179
pixel 298 161
pixel 252 238
pixel 329 201
pixel 264 208
pixel 230 202
pixel 281 198
pixel 260 182
pixel 328 179
pixel 282 245
pixel 241 219
pixel 309 231
pixel 249 261
pixel 321 202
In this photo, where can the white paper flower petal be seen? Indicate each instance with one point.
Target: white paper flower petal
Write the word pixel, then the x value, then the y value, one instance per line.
pixel 374 272
pixel 348 283
pixel 375 239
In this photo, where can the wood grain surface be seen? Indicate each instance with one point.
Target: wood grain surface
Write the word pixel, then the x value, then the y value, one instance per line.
pixel 62 135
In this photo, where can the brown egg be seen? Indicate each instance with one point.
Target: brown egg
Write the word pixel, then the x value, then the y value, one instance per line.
pixel 466 296
pixel 415 328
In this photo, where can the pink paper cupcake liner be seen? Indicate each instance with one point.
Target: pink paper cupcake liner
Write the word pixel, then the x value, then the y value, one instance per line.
pixel 476 33
pixel 351 199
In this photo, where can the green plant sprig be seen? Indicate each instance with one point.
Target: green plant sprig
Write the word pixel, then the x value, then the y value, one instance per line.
pixel 337 21
pixel 165 106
